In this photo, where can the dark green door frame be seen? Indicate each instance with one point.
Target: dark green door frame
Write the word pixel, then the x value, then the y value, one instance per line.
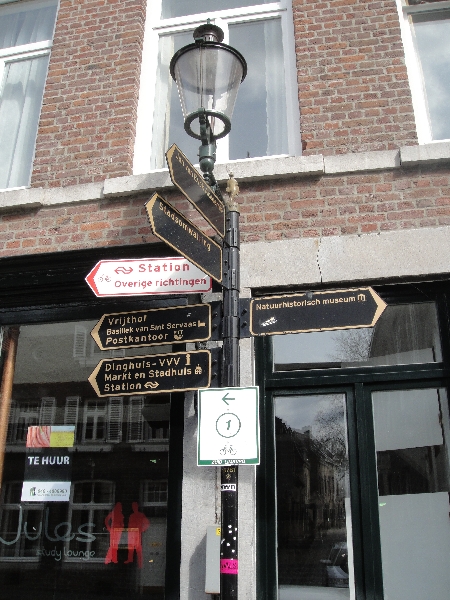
pixel 357 383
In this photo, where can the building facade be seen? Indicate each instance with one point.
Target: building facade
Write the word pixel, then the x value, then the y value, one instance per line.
pixel 340 144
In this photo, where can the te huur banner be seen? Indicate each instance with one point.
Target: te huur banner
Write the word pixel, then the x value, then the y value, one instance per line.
pixel 48 463
pixel 315 311
pixel 154 373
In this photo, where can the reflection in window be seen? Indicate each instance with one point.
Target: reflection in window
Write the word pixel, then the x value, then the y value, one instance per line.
pixel 404 334
pixel 432 39
pixel 20 525
pixel 119 459
pixel 411 442
pixel 313 520
pixel 26 31
pixel 91 502
pixel 175 8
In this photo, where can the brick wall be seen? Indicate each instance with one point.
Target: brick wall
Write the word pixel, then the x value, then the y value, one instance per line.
pixel 88 119
pixel 309 207
pixel 353 88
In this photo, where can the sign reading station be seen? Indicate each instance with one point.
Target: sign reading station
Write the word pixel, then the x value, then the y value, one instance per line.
pixel 192 185
pixel 147 276
pixel 315 311
pixel 179 324
pixel 228 426
pixel 178 232
pixel 154 373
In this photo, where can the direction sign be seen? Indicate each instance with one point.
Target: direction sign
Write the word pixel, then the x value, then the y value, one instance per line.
pixel 192 185
pixel 179 324
pixel 315 311
pixel 147 276
pixel 173 228
pixel 228 426
pixel 152 374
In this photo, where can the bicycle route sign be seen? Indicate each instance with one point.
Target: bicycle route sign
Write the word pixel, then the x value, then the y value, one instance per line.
pixel 228 426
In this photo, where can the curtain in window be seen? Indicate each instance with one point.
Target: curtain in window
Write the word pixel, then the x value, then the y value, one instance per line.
pixel 27 26
pixel 262 93
pixel 20 105
pixel 432 39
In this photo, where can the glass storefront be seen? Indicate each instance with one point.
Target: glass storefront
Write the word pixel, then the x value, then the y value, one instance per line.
pixel 354 482
pixel 85 479
pixel 313 505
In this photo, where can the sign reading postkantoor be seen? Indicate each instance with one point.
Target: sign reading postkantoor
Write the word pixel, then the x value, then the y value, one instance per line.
pixel 146 276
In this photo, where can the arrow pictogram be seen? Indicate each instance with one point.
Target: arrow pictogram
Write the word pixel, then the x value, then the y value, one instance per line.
pixel 225 398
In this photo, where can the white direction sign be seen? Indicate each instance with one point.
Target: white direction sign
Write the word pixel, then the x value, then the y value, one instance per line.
pixel 228 426
pixel 147 276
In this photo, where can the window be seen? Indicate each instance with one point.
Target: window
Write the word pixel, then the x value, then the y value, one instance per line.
pixel 426 37
pixel 263 33
pixel 353 486
pixel 26 32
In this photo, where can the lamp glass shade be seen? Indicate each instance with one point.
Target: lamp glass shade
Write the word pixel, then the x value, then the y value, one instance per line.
pixel 208 77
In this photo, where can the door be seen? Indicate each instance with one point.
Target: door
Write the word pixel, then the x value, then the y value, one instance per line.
pixel 411 430
pixel 313 523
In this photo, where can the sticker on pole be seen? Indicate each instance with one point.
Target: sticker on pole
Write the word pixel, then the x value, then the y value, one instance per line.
pixel 228 426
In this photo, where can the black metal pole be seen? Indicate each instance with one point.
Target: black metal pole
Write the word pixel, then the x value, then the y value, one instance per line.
pixel 229 561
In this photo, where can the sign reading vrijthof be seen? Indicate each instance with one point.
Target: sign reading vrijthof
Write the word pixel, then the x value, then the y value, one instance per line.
pixel 178 324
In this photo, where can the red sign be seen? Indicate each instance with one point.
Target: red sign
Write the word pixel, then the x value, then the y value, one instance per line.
pixel 147 276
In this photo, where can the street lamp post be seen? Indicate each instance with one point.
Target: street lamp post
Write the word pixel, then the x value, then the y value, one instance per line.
pixel 208 74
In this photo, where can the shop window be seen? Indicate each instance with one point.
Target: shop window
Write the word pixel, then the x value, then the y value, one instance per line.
pixel 90 504
pixel 263 33
pixel 354 482
pixel 426 35
pixel 404 334
pixel 21 525
pixel 105 532
pixel 26 33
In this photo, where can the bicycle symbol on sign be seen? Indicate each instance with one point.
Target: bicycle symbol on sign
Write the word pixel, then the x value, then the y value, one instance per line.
pixel 228 448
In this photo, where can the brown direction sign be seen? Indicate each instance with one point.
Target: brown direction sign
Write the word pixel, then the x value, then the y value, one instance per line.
pixel 152 374
pixel 181 234
pixel 192 185
pixel 156 326
pixel 315 311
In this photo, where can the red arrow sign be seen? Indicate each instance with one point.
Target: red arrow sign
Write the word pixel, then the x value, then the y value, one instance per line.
pixel 147 276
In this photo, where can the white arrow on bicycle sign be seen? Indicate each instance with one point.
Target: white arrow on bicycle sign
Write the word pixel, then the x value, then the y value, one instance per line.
pixel 228 426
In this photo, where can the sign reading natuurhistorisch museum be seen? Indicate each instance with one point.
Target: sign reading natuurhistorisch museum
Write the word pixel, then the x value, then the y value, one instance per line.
pixel 178 232
pixel 190 183
pixel 155 326
pixel 154 373
pixel 228 426
pixel 315 311
pixel 146 276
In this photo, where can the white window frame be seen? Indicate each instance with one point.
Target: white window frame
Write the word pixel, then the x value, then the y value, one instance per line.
pixel 412 61
pixel 155 27
pixel 24 52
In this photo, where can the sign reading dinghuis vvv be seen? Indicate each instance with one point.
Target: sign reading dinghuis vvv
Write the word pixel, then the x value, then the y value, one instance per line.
pixel 154 373
pixel 315 311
